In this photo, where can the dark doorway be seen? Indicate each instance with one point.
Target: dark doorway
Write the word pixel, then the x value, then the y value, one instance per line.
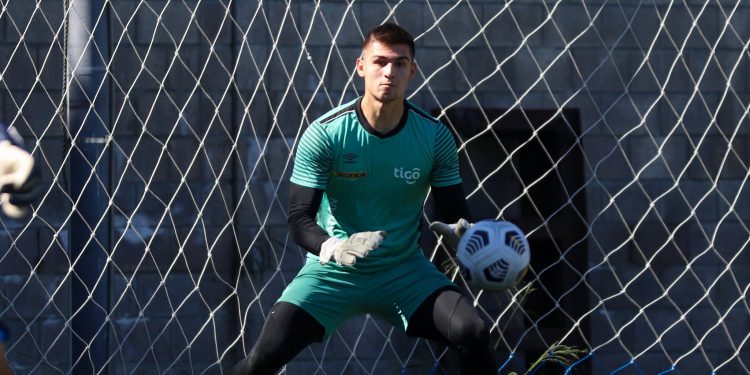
pixel 530 168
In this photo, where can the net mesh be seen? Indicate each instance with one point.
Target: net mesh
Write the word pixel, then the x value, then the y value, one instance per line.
pixel 613 132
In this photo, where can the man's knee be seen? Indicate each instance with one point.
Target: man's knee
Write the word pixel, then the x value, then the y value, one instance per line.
pixel 471 332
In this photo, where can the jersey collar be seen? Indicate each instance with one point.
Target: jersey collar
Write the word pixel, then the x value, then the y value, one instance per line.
pixel 366 125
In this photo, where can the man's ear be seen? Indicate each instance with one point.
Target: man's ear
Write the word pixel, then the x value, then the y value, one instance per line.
pixel 413 71
pixel 360 65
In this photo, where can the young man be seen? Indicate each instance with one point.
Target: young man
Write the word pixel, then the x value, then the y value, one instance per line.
pixel 18 182
pixel 361 174
pixel 18 189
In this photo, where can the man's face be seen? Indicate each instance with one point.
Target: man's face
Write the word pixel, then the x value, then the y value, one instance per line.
pixel 386 69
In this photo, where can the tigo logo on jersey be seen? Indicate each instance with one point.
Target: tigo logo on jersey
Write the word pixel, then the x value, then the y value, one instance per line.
pixel 411 176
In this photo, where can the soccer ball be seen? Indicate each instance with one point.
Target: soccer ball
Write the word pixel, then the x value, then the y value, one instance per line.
pixel 493 255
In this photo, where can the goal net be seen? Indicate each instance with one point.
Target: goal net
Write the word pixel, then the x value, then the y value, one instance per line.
pixel 614 133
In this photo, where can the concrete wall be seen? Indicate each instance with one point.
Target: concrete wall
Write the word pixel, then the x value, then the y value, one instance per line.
pixel 207 105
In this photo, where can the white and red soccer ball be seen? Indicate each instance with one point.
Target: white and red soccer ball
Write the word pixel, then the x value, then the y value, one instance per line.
pixel 493 255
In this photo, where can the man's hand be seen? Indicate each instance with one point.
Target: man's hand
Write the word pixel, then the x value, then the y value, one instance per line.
pixel 451 232
pixel 18 183
pixel 346 252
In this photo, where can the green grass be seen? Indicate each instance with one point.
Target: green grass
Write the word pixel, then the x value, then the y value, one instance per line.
pixel 559 354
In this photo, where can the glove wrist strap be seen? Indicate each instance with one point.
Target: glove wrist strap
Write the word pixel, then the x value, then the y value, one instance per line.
pixel 327 248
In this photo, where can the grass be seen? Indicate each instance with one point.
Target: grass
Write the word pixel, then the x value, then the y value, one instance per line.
pixel 559 354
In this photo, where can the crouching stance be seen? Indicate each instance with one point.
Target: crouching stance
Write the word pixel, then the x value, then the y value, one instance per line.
pixel 361 175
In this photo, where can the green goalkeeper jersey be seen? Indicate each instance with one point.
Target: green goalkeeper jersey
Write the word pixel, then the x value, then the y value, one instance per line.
pixel 372 181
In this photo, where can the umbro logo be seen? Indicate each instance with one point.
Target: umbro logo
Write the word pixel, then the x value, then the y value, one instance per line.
pixel 350 158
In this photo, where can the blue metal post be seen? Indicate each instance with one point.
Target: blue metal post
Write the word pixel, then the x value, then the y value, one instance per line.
pixel 89 168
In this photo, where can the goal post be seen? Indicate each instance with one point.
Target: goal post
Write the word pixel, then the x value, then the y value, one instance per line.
pixel 613 132
pixel 87 112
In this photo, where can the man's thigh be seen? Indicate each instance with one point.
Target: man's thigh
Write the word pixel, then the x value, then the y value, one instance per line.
pixel 397 293
pixel 288 329
pixel 443 315
pixel 331 297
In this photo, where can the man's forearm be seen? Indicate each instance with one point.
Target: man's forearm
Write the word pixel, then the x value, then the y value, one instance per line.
pixel 303 208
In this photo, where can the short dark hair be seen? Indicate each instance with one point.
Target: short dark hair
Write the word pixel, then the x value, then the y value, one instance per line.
pixel 391 34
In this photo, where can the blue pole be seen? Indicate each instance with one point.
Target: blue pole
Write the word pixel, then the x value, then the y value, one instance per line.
pixel 88 121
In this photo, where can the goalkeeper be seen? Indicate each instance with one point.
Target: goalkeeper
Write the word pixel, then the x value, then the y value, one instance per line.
pixel 360 177
pixel 18 180
pixel 18 188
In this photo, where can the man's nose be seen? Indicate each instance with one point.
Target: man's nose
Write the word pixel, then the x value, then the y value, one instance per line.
pixel 388 69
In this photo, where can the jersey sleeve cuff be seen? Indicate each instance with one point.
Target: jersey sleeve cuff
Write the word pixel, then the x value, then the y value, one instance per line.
pixel 446 183
pixel 308 183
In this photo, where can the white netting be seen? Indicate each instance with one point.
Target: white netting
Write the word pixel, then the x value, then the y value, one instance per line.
pixel 613 132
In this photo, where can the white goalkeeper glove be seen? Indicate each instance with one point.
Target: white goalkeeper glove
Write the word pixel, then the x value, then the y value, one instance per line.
pixel 345 252
pixel 451 232
pixel 17 182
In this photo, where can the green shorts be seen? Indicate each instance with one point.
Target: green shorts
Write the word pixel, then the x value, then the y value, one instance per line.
pixel 332 295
